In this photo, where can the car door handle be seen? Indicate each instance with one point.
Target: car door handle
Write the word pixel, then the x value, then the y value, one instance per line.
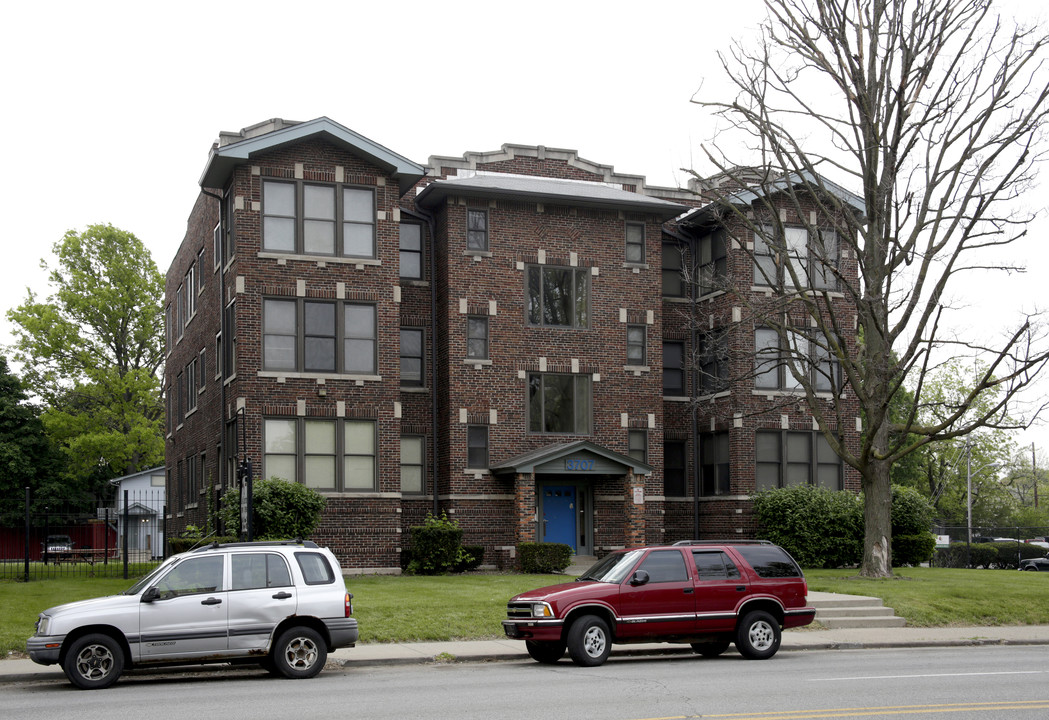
pixel 741 588
pixel 688 591
pixel 211 601
pixel 282 596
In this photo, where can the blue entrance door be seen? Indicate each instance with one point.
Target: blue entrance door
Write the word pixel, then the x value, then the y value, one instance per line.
pixel 559 515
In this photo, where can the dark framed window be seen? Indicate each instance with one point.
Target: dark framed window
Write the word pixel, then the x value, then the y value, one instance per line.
pixel 714 463
pixel 476 446
pixel 191 385
pixel 813 256
pixel 789 363
pixel 411 246
pixel 216 246
pixel 200 270
pixel 713 362
pixel 477 337
pixel 637 445
pixel 168 344
pixel 558 296
pixel 228 226
pixel 636 344
pixel 412 365
pixel 635 243
pixel 202 377
pixel 477 230
pixel 665 566
pixel 674 468
pixel 673 368
pixel 413 464
pixel 559 404
pixel 229 356
pixel 333 455
pixel 785 458
pixel 673 262
pixel 318 336
pixel 180 383
pixel 180 313
pixel 318 219
pixel 714 565
pixel 713 261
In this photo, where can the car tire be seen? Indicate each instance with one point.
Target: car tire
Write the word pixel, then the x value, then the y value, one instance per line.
pixel 94 661
pixel 546 653
pixel 300 653
pixel 758 636
pixel 710 649
pixel 589 641
pixel 1031 567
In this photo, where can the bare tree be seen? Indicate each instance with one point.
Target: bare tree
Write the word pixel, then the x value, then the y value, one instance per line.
pixel 934 112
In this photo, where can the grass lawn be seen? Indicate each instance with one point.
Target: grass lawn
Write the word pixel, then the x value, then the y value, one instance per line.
pixel 410 608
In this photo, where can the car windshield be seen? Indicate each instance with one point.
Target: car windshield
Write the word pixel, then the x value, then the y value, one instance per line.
pixel 151 578
pixel 613 568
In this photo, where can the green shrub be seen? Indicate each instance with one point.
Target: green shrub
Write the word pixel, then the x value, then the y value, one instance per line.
pixel 436 546
pixel 476 556
pixel 912 549
pixel 911 513
pixel 543 558
pixel 1007 554
pixel 819 527
pixel 282 510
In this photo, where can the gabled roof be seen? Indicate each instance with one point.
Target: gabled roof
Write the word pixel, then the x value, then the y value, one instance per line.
pixel 748 196
pixel 550 455
pixel 225 157
pixel 575 193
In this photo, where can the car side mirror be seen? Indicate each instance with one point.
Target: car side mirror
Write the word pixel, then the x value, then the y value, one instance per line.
pixel 150 595
pixel 640 577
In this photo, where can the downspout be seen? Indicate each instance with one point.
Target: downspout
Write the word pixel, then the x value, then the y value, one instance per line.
pixel 431 226
pixel 219 363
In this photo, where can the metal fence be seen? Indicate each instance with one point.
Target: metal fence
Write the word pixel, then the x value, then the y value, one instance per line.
pixel 960 533
pixel 123 538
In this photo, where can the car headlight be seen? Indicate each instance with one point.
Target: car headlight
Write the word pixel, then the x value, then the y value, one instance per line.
pixel 42 625
pixel 542 610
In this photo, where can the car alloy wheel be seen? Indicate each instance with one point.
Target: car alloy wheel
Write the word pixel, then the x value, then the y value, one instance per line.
pixel 589 641
pixel 94 661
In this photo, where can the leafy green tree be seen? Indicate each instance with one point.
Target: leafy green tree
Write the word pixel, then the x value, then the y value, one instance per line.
pixel 282 510
pixel 27 457
pixel 92 352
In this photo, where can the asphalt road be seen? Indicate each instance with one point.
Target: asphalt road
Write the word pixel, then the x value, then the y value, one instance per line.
pixel 1001 682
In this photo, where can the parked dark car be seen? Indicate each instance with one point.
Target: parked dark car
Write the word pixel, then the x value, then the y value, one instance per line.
pixel 1041 563
pixel 707 594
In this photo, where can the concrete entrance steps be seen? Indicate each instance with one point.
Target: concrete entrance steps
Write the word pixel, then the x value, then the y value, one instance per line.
pixel 834 611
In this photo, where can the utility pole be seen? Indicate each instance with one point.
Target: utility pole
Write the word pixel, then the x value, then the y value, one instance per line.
pixel 1034 474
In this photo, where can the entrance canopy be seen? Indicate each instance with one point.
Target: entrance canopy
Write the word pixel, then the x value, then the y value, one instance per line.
pixel 580 457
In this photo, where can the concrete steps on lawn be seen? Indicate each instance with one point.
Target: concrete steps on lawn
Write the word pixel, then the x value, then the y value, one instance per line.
pixel 834 611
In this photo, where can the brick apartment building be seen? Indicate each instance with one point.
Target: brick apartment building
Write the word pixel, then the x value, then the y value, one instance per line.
pixel 504 337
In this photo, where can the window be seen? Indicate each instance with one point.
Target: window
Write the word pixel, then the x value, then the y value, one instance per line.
pixel 180 382
pixel 228 203
pixel 802 359
pixel 665 566
pixel 786 458
pixel 200 270
pixel 635 344
pixel 476 446
pixel 331 455
pixel 180 315
pixel 191 294
pixel 558 296
pixel 714 565
pixel 714 465
pixel 216 246
pixel 412 373
pixel 635 243
pixel 559 403
pixel 673 284
pixel 229 357
pixel 315 568
pixel 192 486
pixel 191 576
pixel 413 474
pixel 713 362
pixel 191 386
pixel 477 337
pixel 812 256
pixel 303 335
pixel 769 561
pixel 673 368
pixel 674 468
pixel 251 571
pixel 168 344
pixel 411 251
pixel 201 365
pixel 713 258
pixel 637 445
pixel 315 219
pixel 477 230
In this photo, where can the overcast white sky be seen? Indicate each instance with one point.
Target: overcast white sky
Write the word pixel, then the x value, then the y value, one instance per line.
pixel 111 107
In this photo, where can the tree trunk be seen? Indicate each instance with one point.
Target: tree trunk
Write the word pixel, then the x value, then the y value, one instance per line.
pixel 877 521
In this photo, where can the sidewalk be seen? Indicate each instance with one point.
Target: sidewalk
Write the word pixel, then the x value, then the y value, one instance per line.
pixel 372 654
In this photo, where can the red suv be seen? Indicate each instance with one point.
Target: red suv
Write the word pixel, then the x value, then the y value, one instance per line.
pixel 705 593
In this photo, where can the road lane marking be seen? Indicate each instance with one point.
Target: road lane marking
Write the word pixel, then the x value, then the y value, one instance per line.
pixel 928 675
pixel 861 712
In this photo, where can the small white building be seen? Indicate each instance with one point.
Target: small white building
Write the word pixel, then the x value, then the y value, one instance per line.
pixel 145 508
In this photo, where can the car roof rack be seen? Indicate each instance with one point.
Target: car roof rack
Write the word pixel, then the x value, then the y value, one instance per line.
pixel 734 541
pixel 257 543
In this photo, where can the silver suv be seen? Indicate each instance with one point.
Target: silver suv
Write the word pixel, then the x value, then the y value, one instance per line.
pixel 281 604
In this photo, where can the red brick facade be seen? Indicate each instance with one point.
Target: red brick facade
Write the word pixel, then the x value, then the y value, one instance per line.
pixel 537 231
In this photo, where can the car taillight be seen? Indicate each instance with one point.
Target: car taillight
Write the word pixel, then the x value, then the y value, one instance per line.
pixel 349 605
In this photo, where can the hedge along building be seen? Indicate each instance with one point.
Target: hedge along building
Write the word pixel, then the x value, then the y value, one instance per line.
pixel 483 336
